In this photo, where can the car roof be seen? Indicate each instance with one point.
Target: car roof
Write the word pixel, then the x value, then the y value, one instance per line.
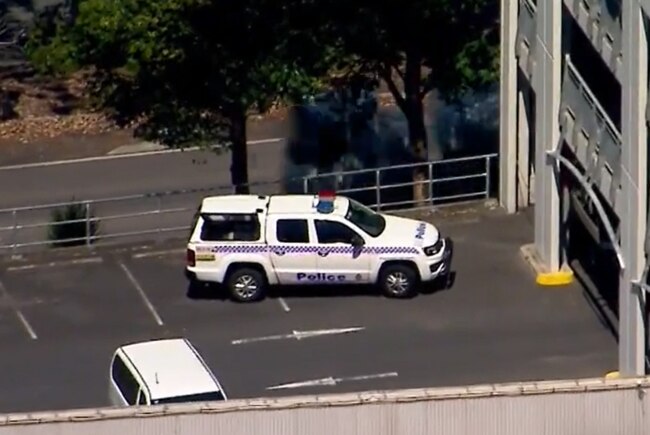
pixel 275 204
pixel 303 204
pixel 170 368
pixel 225 204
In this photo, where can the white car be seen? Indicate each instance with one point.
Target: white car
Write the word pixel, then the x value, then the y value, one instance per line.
pixel 248 242
pixel 159 372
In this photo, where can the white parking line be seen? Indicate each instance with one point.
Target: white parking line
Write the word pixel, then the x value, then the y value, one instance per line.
pixel 159 253
pixel 331 381
pixel 300 335
pixel 143 295
pixel 21 317
pixel 88 260
pixel 123 156
pixel 284 305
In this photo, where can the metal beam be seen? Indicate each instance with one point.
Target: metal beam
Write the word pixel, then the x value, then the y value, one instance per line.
pixel 547 78
pixel 633 205
pixel 508 108
pixel 645 5
pixel 589 188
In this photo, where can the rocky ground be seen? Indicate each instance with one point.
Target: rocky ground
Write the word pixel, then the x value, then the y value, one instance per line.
pixel 52 119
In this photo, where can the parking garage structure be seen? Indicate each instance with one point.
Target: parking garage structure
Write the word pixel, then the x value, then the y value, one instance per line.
pixel 574 114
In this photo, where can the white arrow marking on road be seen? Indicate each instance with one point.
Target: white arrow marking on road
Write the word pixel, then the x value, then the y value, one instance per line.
pixel 299 335
pixel 331 381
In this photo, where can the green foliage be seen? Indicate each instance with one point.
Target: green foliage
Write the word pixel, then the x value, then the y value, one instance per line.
pixel 191 69
pixel 453 45
pixel 192 64
pixel 72 225
pixel 194 69
pixel 48 46
pixel 414 47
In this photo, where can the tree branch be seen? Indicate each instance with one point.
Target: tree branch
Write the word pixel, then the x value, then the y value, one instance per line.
pixel 392 87
pixel 399 72
pixel 428 85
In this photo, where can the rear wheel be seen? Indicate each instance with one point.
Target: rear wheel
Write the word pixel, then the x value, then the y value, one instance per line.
pixel 246 285
pixel 398 281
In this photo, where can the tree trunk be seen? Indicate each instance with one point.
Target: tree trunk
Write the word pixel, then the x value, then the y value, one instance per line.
pixel 239 152
pixel 414 112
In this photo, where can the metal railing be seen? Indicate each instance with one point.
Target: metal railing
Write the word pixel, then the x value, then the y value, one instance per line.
pixel 584 107
pixel 156 215
pixel 601 23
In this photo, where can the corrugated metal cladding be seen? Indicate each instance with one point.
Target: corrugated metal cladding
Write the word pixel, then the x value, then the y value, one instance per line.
pixel 600 412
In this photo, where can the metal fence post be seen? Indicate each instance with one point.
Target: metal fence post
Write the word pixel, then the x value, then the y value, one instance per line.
pixel 377 188
pixel 430 183
pixel 305 184
pixel 487 176
pixel 14 216
pixel 158 227
pixel 88 225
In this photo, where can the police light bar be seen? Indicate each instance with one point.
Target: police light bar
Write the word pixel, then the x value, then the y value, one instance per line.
pixel 327 194
pixel 325 201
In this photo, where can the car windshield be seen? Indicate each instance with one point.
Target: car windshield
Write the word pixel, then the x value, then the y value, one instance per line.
pixel 204 397
pixel 365 218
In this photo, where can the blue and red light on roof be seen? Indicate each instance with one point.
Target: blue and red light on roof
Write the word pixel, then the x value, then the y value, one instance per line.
pixel 325 201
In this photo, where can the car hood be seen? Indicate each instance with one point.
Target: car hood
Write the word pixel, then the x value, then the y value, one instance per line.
pixel 408 232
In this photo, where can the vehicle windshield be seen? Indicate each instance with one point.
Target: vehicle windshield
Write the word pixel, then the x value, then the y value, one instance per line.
pixel 204 397
pixel 365 218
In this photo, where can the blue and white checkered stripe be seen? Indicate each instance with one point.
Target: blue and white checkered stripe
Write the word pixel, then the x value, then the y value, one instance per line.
pixel 303 249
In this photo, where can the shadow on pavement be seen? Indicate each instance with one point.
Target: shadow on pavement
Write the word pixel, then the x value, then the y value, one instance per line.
pixel 217 292
pixel 597 270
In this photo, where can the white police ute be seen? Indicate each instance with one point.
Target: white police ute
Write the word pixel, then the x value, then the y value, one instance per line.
pixel 249 242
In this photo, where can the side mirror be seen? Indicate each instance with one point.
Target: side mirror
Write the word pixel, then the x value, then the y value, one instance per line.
pixel 358 242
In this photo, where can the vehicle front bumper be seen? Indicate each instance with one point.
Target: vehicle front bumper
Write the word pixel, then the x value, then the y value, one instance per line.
pixel 442 266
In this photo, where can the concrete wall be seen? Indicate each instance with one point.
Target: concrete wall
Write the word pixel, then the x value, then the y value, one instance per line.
pixel 576 407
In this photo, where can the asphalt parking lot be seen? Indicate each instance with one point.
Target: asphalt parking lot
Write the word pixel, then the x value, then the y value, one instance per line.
pixel 60 322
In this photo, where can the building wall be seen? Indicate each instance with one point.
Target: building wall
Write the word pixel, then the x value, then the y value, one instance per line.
pixel 586 63
pixel 576 407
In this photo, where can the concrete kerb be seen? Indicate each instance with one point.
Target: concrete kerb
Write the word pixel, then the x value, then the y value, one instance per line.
pixel 543 276
pixel 466 212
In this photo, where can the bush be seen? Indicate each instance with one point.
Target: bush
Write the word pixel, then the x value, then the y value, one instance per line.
pixel 68 226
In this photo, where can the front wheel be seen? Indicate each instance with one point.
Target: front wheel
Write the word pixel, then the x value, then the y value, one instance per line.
pixel 398 281
pixel 246 285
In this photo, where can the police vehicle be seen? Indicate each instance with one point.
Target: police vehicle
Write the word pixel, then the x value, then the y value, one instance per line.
pixel 249 242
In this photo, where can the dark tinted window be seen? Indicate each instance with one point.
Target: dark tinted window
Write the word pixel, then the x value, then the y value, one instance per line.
pixel 334 232
pixel 205 397
pixel 234 227
pixel 125 381
pixel 292 231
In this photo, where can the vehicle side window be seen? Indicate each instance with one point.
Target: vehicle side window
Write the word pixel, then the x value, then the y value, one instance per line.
pixel 292 231
pixel 334 232
pixel 125 381
pixel 233 227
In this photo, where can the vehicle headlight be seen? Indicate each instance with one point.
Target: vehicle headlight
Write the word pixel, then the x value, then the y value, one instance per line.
pixel 434 249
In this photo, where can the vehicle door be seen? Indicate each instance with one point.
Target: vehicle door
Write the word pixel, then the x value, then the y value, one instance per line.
pixel 341 254
pixel 292 252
